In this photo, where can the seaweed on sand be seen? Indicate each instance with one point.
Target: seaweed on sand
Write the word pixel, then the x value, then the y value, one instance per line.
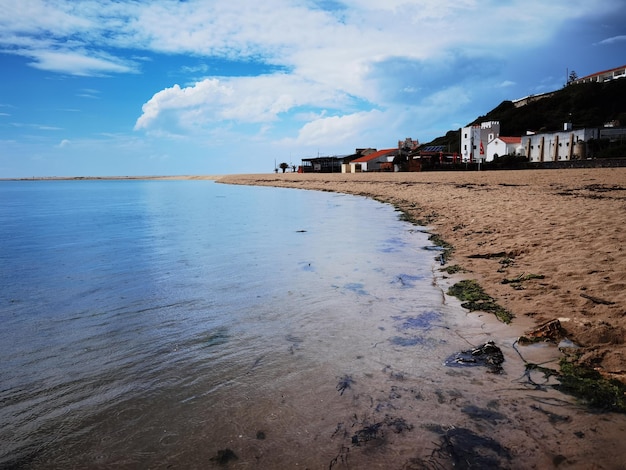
pixel 475 298
pixel 589 386
pixel 344 384
pixel 584 383
pixel 465 449
pixel 376 432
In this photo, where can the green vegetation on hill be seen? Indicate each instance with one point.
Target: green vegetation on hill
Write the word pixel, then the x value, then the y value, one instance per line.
pixel 584 105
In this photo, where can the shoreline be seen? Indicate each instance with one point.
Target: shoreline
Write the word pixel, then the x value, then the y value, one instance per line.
pixel 545 244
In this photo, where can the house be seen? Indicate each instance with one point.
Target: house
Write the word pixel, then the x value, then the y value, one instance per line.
pixel 604 76
pixel 345 166
pixel 329 164
pixel 569 144
pixel 475 139
pixel 381 160
pixel 504 146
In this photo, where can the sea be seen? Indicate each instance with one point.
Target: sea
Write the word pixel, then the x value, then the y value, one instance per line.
pixel 192 324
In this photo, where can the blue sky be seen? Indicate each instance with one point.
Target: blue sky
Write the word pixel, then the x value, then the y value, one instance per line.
pixel 164 87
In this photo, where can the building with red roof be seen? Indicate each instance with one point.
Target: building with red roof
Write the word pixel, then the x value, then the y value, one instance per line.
pixel 604 76
pixel 381 160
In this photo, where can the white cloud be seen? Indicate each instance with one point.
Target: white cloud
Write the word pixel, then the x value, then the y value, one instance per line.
pixel 348 69
pixel 311 41
pixel 339 130
pixel 64 143
pixel 239 99
pixel 77 63
pixel 506 84
pixel 612 40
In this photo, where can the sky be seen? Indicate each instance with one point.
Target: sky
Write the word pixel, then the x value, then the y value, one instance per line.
pixel 181 87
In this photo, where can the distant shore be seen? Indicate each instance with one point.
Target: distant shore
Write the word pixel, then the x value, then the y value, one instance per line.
pixel 546 244
pixel 113 178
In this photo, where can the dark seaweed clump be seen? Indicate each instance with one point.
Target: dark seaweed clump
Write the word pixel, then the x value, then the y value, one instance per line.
pixel 224 456
pixel 488 355
pixel 475 298
pixel 591 387
pixel 466 450
pixel 344 384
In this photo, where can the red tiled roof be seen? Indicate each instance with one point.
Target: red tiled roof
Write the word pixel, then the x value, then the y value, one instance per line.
pixel 602 73
pixel 374 155
pixel 511 140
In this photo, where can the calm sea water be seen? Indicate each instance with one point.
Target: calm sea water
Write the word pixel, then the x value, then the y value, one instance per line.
pixel 188 324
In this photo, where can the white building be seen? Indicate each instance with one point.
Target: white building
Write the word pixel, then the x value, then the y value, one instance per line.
pixel 568 144
pixel 475 141
pixel 604 76
pixel 501 146
pixel 376 161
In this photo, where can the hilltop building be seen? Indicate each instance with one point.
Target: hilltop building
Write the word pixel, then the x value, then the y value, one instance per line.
pixel 604 76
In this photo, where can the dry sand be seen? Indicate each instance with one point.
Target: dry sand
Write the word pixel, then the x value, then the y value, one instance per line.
pixel 565 225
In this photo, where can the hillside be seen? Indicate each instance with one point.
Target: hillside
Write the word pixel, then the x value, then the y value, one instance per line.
pixel 584 105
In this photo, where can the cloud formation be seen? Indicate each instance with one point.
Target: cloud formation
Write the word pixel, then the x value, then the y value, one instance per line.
pixel 298 73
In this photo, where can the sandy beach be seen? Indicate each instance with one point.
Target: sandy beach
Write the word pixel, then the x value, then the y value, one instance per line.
pixel 546 245
pixel 559 232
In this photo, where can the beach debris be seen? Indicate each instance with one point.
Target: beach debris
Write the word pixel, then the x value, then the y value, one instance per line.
pixel 475 298
pixel 505 263
pixel 554 418
pixel 368 433
pixel 516 282
pixel 453 269
pixel 376 432
pixel 445 247
pixel 397 425
pixel 341 458
pixel 224 456
pixel 407 280
pixel 531 371
pixel 550 331
pixel 499 254
pixel 597 300
pixel 466 450
pixel 488 355
pixel 344 384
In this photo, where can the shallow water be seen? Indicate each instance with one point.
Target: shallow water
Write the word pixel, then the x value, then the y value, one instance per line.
pixel 186 324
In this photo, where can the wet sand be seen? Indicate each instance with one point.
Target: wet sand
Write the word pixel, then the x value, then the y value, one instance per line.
pixel 564 225
pixel 559 233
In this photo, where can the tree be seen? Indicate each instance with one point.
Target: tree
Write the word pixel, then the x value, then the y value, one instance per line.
pixel 573 76
pixel 283 166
